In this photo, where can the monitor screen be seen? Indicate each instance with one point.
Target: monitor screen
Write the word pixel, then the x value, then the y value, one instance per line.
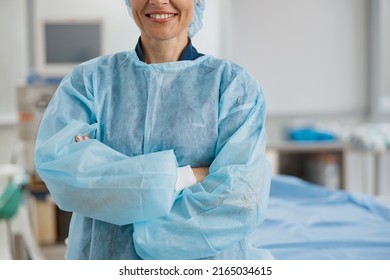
pixel 72 42
pixel 64 44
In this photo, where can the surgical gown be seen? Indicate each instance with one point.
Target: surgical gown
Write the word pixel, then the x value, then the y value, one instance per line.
pixel 145 121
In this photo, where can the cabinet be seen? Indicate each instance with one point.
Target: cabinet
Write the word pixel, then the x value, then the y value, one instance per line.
pixel 50 223
pixel 335 165
pixel 367 171
pixel 316 162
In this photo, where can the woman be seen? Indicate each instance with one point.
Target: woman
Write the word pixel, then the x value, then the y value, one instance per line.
pixel 119 138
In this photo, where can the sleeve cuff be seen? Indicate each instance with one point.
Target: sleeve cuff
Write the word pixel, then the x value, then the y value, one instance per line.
pixel 185 178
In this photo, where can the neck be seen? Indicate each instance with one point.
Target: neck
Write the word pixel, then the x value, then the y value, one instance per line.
pixel 160 51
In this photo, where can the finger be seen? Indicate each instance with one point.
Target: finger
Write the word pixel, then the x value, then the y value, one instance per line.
pixel 79 138
pixel 86 138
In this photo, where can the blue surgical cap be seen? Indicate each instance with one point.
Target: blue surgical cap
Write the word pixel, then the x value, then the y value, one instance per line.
pixel 196 23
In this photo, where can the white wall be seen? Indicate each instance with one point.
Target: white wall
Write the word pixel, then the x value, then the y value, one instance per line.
pixel 385 35
pixel 208 40
pixel 13 55
pixel 13 62
pixel 309 55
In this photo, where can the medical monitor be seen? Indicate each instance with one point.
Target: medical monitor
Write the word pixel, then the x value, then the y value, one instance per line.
pixel 64 44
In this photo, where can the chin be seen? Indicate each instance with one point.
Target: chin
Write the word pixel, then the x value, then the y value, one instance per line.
pixel 167 35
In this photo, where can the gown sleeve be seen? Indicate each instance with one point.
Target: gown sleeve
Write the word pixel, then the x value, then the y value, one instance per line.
pixel 91 178
pixel 231 201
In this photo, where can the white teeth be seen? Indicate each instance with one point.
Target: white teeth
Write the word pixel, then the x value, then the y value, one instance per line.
pixel 161 16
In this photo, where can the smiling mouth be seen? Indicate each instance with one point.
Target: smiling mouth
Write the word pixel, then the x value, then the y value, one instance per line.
pixel 160 16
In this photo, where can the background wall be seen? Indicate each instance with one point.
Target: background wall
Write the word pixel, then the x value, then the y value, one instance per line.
pixel 310 56
pixel 13 64
pixel 385 33
pixel 13 55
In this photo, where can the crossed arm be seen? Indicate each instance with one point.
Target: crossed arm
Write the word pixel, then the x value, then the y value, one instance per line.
pixel 200 172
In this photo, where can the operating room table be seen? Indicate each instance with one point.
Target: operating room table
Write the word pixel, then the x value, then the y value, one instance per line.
pixel 309 222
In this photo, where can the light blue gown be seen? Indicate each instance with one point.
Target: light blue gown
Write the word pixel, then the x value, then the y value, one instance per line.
pixel 145 121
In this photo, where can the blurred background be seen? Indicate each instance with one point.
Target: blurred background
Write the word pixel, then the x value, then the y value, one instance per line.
pixel 323 65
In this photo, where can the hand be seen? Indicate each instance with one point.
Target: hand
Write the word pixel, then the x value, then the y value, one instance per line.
pixel 200 173
pixel 80 138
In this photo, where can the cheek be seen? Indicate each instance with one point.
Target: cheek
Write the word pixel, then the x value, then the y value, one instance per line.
pixel 189 15
pixel 137 19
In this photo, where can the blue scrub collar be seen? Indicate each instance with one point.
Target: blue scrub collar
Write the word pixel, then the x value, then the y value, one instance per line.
pixel 189 53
